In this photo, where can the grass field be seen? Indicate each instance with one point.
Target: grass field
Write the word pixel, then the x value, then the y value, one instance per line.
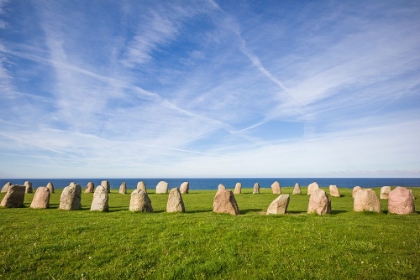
pixel 199 244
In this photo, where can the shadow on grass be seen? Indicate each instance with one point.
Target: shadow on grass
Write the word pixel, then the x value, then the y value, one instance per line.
pixel 245 211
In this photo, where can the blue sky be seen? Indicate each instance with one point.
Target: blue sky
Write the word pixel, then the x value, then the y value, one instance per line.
pixel 209 88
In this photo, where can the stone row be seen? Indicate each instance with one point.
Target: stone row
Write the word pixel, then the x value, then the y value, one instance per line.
pixel 400 200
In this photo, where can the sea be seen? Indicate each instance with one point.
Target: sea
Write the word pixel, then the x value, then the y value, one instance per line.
pixel 212 183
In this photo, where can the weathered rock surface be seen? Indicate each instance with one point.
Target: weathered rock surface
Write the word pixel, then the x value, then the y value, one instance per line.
pixel 319 202
pixel 334 191
pixel 279 205
pixel 312 187
pixel 106 185
pixel 275 188
pixel 184 188
pixel 221 187
pixel 162 187
pixel 175 203
pixel 28 187
pixel 41 198
pixel 6 187
pixel 384 192
pixel 296 189
pixel 50 186
pixel 366 200
pixel 256 188
pixel 141 186
pixel 355 190
pixel 225 202
pixel 140 202
pixel 90 187
pixel 238 188
pixel 401 201
pixel 100 199
pixel 14 197
pixel 71 197
pixel 123 188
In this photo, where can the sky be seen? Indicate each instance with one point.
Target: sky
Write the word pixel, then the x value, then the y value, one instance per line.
pixel 158 89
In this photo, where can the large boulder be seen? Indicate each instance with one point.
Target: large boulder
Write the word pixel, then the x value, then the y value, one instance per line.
pixel 50 186
pixel 106 185
pixel 312 187
pixel 123 188
pixel 401 201
pixel 319 202
pixel 175 203
pixel 184 188
pixel 6 187
pixel 141 186
pixel 162 187
pixel 140 202
pixel 256 188
pixel 334 191
pixel 366 200
pixel 296 189
pixel 100 199
pixel 384 192
pixel 225 202
pixel 238 188
pixel 14 197
pixel 221 187
pixel 28 187
pixel 275 188
pixel 355 190
pixel 279 205
pixel 71 197
pixel 41 198
pixel 90 187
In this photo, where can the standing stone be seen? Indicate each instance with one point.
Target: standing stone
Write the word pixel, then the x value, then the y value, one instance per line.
pixel 106 185
pixel 140 202
pixel 41 198
pixel 319 202
pixel 185 188
pixel 296 189
pixel 355 190
pixel 224 202
pixel 90 187
pixel 279 205
pixel 256 188
pixel 100 199
pixel 28 187
pixel 162 187
pixel 312 187
pixel 221 187
pixel 141 186
pixel 384 192
pixel 366 200
pixel 175 203
pixel 71 197
pixel 275 188
pixel 334 191
pixel 123 188
pixel 14 197
pixel 6 187
pixel 50 186
pixel 401 201
pixel 238 188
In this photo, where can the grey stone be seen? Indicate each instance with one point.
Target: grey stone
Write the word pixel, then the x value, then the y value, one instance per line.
pixel 123 188
pixel 238 188
pixel 41 198
pixel 28 187
pixel 185 188
pixel 71 197
pixel 50 186
pixel 256 189
pixel 225 202
pixel 140 202
pixel 366 200
pixel 296 189
pixel 334 191
pixel 90 187
pixel 175 203
pixel 100 200
pixel 319 202
pixel 162 187
pixel 275 188
pixel 355 190
pixel 106 185
pixel 312 187
pixel 384 192
pixel 141 186
pixel 279 205
pixel 14 197
pixel 6 187
pixel 401 201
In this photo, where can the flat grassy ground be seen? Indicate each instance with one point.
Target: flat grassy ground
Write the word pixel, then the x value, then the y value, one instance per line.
pixel 57 244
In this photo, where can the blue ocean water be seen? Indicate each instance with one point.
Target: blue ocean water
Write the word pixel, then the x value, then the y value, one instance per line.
pixel 212 183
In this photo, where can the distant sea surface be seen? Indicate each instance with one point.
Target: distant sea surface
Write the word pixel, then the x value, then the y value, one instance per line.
pixel 212 183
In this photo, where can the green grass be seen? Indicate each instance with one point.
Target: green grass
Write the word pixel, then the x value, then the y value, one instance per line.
pixel 199 244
